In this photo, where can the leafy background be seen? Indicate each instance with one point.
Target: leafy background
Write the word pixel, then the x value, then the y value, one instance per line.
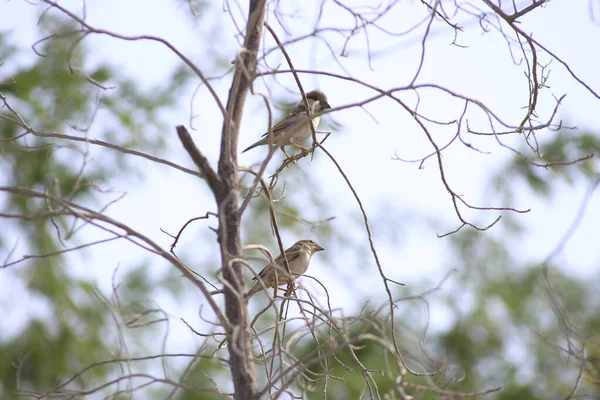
pixel 507 315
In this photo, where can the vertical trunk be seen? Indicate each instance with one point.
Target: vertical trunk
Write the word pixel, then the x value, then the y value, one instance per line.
pixel 239 338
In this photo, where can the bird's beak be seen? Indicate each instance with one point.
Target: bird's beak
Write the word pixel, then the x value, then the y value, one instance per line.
pixel 326 105
pixel 318 248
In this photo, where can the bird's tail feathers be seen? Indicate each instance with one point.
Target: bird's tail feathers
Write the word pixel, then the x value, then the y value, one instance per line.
pixel 252 146
pixel 259 143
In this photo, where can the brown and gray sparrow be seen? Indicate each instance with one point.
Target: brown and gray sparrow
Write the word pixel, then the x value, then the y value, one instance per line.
pixel 275 274
pixel 295 128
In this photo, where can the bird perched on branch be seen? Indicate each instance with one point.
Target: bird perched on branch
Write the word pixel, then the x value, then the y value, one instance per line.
pixel 275 274
pixel 295 128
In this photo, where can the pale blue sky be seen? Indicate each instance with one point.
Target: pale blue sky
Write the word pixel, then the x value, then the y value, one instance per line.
pixel 483 71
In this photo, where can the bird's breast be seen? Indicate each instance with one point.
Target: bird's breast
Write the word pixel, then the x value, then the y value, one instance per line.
pixel 305 133
pixel 299 265
pixel 315 122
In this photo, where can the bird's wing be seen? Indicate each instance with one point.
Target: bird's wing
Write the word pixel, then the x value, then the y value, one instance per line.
pixel 287 122
pixel 291 254
pixel 262 273
pixel 282 126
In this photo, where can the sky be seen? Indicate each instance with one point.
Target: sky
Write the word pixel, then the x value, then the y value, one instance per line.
pixel 365 145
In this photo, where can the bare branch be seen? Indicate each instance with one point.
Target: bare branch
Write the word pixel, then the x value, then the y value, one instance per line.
pixel 201 162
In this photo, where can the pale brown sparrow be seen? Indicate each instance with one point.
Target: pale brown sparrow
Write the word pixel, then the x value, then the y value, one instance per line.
pixel 295 128
pixel 275 274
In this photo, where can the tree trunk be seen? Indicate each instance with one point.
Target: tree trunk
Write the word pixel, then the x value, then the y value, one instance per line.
pixel 239 338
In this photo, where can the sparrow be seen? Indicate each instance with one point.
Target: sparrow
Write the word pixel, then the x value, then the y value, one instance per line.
pixel 275 274
pixel 295 128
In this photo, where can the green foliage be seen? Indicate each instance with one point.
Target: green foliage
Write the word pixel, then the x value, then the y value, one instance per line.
pixel 560 155
pixel 522 309
pixel 346 378
pixel 202 374
pixel 509 328
pixel 514 322
pixel 54 98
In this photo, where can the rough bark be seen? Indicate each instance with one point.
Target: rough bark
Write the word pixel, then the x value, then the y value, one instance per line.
pixel 238 336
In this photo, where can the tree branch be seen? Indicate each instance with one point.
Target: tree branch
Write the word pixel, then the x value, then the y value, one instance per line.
pixel 201 162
